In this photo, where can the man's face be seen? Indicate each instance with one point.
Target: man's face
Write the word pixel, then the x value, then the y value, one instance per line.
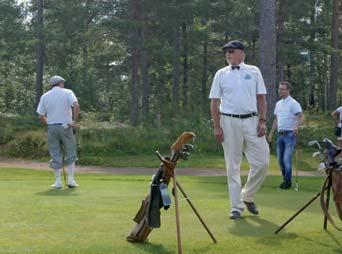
pixel 283 91
pixel 234 56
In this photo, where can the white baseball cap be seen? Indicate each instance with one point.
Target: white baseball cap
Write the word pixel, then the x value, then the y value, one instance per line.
pixel 55 80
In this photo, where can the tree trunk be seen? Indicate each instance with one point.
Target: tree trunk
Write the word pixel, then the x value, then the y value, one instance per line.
pixel 335 60
pixel 280 31
pixel 39 50
pixel 267 52
pixel 134 63
pixel 144 66
pixel 204 75
pixel 175 88
pixel 312 101
pixel 185 65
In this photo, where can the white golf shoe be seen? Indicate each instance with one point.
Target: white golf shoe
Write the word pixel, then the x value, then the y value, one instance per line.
pixel 56 185
pixel 72 184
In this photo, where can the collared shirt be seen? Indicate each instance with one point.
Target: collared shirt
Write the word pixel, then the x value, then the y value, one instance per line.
pixel 237 89
pixel 286 111
pixel 56 105
pixel 339 110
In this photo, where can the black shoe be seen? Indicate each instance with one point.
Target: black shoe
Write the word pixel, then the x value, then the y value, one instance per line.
pixel 251 207
pixel 285 185
pixel 235 215
pixel 282 185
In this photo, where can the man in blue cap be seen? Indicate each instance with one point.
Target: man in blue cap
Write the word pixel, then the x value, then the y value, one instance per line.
pixel 238 110
pixel 59 110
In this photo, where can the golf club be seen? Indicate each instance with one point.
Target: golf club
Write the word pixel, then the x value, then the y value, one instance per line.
pixel 296 188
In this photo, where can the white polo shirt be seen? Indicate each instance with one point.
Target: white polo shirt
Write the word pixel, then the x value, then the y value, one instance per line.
pixel 286 111
pixel 56 105
pixel 339 110
pixel 237 89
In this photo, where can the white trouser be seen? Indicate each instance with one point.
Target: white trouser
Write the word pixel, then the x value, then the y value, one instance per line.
pixel 240 136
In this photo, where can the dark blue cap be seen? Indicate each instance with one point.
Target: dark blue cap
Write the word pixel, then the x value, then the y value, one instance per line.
pixel 234 45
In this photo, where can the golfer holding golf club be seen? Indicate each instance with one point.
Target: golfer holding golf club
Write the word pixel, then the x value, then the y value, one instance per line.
pixel 288 117
pixel 238 110
pixel 57 108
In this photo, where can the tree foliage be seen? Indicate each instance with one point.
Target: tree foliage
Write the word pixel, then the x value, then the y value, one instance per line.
pixel 151 60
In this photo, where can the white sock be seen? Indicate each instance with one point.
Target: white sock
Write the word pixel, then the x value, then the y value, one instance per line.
pixel 71 171
pixel 57 175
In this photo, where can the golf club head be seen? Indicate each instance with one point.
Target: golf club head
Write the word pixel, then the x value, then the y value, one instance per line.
pixel 184 155
pixel 315 142
pixel 296 188
pixel 188 148
pixel 315 154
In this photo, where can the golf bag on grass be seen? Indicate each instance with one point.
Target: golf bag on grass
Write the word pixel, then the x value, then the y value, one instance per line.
pixel 333 180
pixel 148 216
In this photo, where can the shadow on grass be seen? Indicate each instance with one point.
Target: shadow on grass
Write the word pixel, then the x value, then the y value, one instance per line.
pixel 153 248
pixel 338 243
pixel 252 226
pixel 59 192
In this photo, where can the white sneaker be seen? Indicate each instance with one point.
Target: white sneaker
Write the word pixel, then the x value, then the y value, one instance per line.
pixel 56 185
pixel 72 184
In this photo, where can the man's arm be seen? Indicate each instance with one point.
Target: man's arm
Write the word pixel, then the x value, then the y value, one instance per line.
pixel 76 111
pixel 300 121
pixel 274 127
pixel 262 107
pixel 75 115
pixel 215 115
pixel 43 119
pixel 335 116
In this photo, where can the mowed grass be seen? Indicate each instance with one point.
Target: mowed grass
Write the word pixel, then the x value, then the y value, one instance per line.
pixel 97 217
pixel 301 159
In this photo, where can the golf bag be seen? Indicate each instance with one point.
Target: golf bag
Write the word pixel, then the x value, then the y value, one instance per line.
pixel 148 216
pixel 337 190
pixel 333 180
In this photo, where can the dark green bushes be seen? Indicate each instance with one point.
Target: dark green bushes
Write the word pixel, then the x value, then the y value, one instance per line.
pixel 95 139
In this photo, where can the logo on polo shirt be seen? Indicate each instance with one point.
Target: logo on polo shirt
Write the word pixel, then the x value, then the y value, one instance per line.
pixel 247 77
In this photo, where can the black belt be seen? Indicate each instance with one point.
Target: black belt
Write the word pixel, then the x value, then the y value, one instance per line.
pixel 55 124
pixel 284 133
pixel 241 116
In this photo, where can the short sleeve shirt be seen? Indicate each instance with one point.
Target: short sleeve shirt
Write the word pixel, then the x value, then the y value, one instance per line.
pixel 339 110
pixel 237 89
pixel 56 105
pixel 287 111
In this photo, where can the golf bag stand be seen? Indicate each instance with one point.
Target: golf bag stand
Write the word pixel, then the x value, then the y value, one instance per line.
pixel 333 182
pixel 148 216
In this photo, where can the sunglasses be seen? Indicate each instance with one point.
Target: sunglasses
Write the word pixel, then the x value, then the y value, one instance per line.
pixel 230 51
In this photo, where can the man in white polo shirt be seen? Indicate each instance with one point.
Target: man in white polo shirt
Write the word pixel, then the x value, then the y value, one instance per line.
pixel 238 110
pixel 288 117
pixel 59 109
pixel 337 116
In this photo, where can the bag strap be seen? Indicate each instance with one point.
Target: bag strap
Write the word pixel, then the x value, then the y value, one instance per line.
pixel 324 204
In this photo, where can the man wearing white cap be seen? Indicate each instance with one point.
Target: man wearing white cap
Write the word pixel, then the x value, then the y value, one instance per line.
pixel 59 110
pixel 238 110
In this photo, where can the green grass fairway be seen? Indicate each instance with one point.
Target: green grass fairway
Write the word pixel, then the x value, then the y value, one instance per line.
pixel 97 217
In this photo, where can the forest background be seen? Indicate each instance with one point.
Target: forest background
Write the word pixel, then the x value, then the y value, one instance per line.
pixel 142 69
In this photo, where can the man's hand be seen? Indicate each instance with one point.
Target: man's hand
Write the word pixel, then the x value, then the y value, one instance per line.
pixel 218 132
pixel 261 128
pixel 295 130
pixel 269 138
pixel 73 125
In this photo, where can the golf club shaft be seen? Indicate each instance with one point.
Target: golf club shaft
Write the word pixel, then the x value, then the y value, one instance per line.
pixel 179 241
pixel 295 215
pixel 64 176
pixel 195 211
